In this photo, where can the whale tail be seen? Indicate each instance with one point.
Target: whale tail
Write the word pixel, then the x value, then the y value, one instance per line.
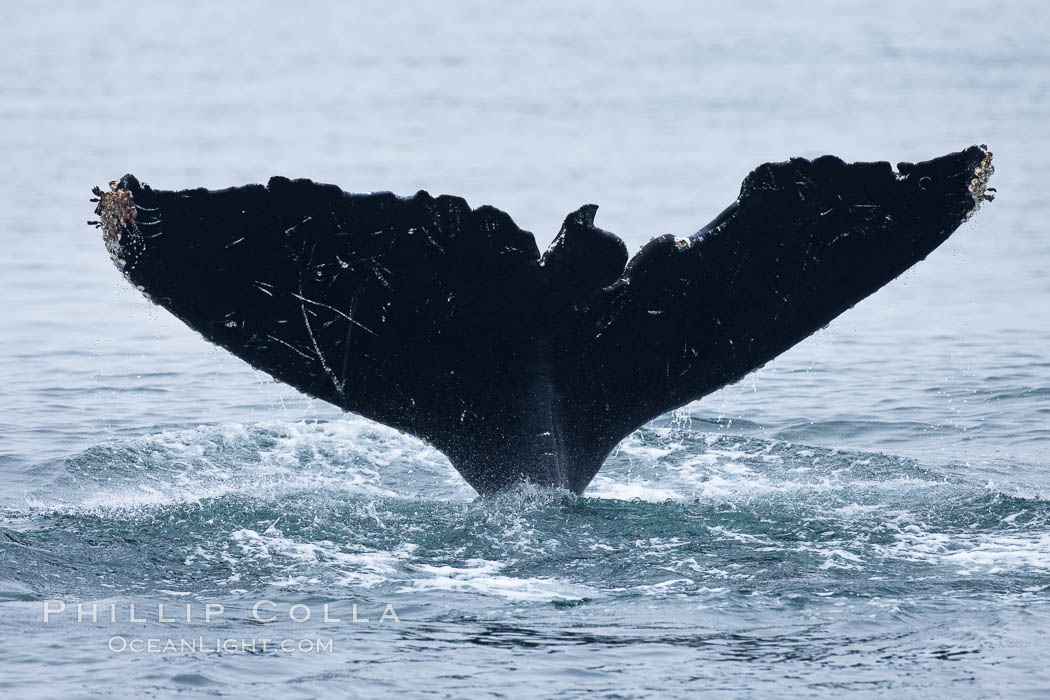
pixel 447 322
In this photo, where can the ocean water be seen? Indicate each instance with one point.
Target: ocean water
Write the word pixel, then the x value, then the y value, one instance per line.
pixel 869 514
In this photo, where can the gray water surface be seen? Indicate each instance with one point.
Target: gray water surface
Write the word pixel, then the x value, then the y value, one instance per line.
pixel 870 513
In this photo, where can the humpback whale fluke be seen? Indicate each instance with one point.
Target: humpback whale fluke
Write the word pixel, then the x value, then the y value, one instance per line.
pixel 447 322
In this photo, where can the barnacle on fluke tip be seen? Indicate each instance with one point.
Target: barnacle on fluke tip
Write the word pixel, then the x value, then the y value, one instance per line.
pixel 979 184
pixel 117 212
pixel 116 209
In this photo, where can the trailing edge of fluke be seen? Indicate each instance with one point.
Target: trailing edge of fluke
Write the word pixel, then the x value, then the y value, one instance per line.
pixel 447 322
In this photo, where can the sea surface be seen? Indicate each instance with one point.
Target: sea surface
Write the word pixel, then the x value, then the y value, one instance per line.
pixel 867 515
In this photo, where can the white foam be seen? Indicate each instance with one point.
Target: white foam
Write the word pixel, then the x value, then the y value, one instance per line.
pixel 665 586
pixel 358 566
pixel 842 559
pixel 974 553
pixel 482 576
pixel 262 461
pixel 607 488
